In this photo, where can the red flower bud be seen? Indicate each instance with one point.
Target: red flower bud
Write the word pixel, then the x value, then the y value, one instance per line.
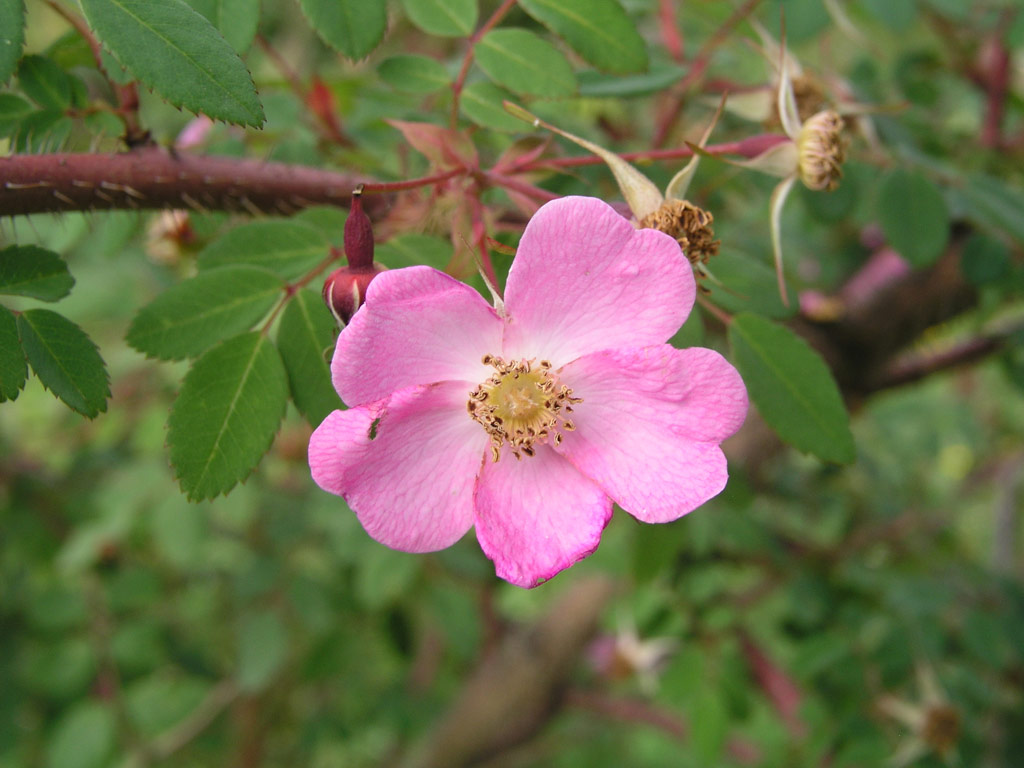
pixel 358 234
pixel 345 290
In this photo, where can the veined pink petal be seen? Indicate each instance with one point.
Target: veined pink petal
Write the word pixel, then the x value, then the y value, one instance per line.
pixel 585 280
pixel 537 516
pixel 406 465
pixel 418 326
pixel 649 425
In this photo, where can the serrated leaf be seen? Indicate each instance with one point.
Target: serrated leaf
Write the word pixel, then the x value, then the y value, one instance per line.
pixel 178 53
pixel 413 74
pixel 262 649
pixel 194 315
pixel 230 405
pixel 236 20
pixel 13 368
pixel 792 388
pixel 12 36
pixel 287 248
pixel 12 110
pixel 598 30
pixel 305 339
pixel 65 360
pixel 914 216
pixel 354 27
pixel 445 18
pixel 523 62
pixel 45 83
pixel 483 104
pixel 28 270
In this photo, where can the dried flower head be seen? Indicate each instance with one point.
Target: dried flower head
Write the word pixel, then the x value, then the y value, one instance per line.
pixel 821 150
pixel 690 225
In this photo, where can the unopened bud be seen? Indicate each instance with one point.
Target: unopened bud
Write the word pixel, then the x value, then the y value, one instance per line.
pixel 358 234
pixel 345 290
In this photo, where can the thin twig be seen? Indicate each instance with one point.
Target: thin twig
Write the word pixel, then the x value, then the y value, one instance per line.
pixel 467 60
pixel 697 68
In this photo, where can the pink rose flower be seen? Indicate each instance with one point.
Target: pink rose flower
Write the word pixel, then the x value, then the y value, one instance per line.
pixel 529 420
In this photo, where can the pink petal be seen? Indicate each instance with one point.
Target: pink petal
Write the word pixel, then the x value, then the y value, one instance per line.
pixel 418 326
pixel 537 516
pixel 411 482
pixel 649 425
pixel 585 280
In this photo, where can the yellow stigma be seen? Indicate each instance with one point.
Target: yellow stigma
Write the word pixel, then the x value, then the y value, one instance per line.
pixel 521 404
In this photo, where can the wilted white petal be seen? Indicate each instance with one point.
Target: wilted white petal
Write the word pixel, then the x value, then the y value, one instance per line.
pixel 640 193
pixel 779 195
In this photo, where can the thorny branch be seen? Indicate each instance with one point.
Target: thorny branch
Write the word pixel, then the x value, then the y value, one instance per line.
pixel 150 178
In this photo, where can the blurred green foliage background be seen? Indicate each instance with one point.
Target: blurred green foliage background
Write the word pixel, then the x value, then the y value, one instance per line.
pixel 810 616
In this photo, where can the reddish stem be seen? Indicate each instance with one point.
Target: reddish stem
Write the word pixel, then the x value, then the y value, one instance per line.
pixel 127 95
pixel 670 35
pixel 422 181
pixel 467 60
pixel 697 68
pixel 321 104
pixel 997 87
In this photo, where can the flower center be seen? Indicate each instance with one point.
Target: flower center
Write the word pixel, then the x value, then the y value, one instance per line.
pixel 521 404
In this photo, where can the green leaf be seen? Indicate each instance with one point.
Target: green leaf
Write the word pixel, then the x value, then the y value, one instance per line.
pixel 12 110
pixel 601 85
pixel 28 270
pixel 792 388
pixel 745 285
pixel 13 368
pixel 482 103
pixel 445 18
pixel 175 51
pixel 413 74
pixel 598 30
pixel 287 248
pixel 45 83
pixel 984 259
pixel 192 316
pixel 43 131
pixel 12 36
pixel 995 204
pixel 236 20
pixel 523 62
pixel 65 360
pixel 913 215
pixel 410 250
pixel 262 650
pixel 225 417
pixel 897 16
pixel 84 738
pixel 354 27
pixel 305 338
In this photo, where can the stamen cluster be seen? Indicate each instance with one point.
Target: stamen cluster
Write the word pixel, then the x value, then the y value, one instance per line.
pixel 521 405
